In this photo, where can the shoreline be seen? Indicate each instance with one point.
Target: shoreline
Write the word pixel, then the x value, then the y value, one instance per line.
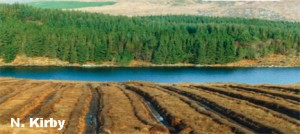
pixel 148 66
pixel 271 61
pixel 139 81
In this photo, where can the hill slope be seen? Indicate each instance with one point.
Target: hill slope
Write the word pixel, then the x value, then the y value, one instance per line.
pixel 280 10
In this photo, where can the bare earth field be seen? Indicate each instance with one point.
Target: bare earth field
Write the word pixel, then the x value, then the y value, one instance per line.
pixel 138 107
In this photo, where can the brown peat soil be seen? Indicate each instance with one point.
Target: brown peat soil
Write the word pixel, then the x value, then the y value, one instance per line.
pixel 149 108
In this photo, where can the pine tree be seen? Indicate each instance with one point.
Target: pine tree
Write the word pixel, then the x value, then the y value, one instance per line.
pixel 211 51
pixel 73 55
pixel 201 52
pixel 229 51
pixel 100 52
pixel 240 54
pixel 82 52
pixel 10 53
pixel 220 53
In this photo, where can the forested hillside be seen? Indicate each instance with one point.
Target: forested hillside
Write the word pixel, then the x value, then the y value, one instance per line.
pixel 80 37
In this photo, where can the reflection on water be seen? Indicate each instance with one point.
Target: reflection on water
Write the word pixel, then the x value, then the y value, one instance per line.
pixel 158 74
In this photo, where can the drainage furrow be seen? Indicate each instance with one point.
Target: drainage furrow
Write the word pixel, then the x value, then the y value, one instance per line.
pixel 92 124
pixel 241 119
pixel 270 105
pixel 284 96
pixel 165 119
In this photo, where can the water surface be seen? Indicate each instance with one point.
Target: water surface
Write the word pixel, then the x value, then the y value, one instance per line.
pixel 158 74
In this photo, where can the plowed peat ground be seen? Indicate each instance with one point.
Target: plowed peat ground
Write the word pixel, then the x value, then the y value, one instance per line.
pixel 149 108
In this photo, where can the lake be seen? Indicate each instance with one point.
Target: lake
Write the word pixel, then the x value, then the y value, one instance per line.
pixel 158 74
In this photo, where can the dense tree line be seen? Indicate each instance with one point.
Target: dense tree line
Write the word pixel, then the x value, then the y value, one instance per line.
pixel 80 37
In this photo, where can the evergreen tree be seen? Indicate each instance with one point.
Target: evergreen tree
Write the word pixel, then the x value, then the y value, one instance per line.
pixel 10 53
pixel 82 52
pixel 201 53
pixel 241 53
pixel 100 52
pixel 229 51
pixel 220 54
pixel 211 51
pixel 73 55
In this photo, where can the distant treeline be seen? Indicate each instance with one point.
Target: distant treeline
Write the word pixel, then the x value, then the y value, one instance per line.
pixel 80 37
